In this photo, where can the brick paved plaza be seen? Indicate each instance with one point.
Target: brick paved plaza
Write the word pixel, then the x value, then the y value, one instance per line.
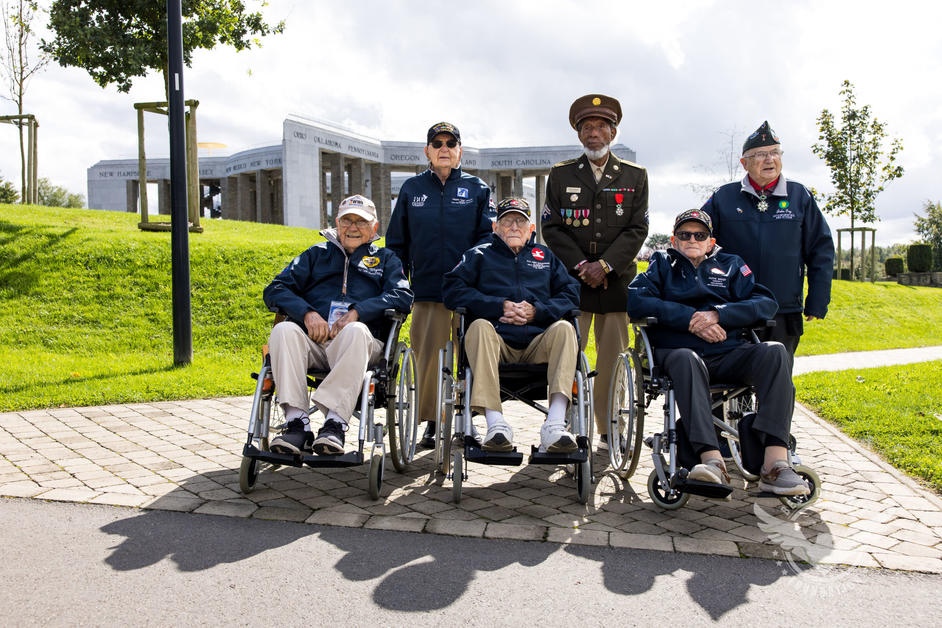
pixel 185 456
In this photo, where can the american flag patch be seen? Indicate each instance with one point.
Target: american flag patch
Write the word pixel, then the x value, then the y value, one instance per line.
pixel 745 270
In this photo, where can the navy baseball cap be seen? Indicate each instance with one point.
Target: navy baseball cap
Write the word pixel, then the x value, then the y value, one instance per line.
pixel 694 215
pixel 443 127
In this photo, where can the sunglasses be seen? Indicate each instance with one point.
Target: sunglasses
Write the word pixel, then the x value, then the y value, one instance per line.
pixel 439 143
pixel 699 236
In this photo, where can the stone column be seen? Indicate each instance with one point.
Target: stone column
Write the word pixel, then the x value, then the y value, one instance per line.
pixel 518 183
pixel 540 201
pixel 381 185
pixel 227 191
pixel 336 184
pixel 163 197
pixel 278 201
pixel 245 209
pixel 263 197
pixel 131 195
pixel 356 168
pixel 504 186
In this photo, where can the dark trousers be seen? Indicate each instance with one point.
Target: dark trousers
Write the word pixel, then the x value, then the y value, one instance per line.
pixel 766 366
pixel 788 330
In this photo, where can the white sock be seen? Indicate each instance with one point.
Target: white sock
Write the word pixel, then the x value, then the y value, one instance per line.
pixel 559 403
pixel 492 417
pixel 292 413
pixel 333 416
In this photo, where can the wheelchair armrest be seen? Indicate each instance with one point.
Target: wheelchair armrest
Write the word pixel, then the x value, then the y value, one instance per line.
pixel 574 314
pixel 647 321
pixel 461 310
pixel 769 323
pixel 395 315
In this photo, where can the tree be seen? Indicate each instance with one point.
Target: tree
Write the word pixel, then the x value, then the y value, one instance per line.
pixel 658 241
pixel 57 196
pixel 20 62
pixel 727 158
pixel 118 40
pixel 860 168
pixel 8 193
pixel 930 228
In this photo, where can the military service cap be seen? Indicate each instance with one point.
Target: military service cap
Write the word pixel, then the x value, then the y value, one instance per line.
pixel 694 215
pixel 508 205
pixel 763 136
pixel 598 105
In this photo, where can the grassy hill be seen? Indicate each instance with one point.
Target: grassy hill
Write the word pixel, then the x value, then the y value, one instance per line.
pixel 85 310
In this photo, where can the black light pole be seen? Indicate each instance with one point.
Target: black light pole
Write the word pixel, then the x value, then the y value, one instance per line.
pixel 179 231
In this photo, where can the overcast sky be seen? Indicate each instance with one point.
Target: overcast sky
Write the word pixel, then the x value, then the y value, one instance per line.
pixel 505 72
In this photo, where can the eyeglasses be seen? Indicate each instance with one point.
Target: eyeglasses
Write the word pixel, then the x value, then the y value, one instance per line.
pixel 762 154
pixel 359 224
pixel 699 236
pixel 520 222
pixel 439 143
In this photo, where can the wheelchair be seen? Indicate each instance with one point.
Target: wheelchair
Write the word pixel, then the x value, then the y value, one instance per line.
pixel 389 383
pixel 521 381
pixel 636 382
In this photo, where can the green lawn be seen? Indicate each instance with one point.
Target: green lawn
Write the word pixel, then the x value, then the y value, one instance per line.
pixel 896 411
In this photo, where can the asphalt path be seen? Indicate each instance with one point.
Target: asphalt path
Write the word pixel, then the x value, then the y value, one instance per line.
pixel 79 564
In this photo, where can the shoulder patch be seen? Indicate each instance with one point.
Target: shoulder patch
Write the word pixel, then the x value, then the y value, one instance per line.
pixel 745 270
pixel 566 162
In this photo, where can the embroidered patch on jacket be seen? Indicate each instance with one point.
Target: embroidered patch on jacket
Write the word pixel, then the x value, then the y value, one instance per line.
pixel 745 270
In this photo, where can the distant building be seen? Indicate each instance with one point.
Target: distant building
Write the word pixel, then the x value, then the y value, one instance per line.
pixel 292 183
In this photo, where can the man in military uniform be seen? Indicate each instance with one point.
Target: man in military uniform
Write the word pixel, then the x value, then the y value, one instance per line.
pixel 596 220
pixel 776 227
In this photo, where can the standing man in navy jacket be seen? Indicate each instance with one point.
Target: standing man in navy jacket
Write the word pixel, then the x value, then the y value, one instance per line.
pixel 776 227
pixel 703 300
pixel 334 295
pixel 439 214
pixel 516 292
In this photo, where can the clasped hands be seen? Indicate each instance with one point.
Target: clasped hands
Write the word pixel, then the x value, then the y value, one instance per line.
pixel 593 274
pixel 517 313
pixel 318 330
pixel 706 325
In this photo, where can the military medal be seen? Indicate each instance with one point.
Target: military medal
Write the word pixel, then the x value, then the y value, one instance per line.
pixel 763 204
pixel 618 199
pixel 574 198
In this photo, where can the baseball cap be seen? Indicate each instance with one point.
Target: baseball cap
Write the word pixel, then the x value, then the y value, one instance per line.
pixel 443 127
pixel 512 204
pixel 694 215
pixel 359 205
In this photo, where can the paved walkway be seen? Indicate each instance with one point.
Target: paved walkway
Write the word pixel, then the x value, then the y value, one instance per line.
pixel 864 359
pixel 185 456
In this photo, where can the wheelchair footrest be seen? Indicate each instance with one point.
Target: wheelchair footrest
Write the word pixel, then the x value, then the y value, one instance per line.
pixel 542 457
pixel 349 459
pixel 704 489
pixel 509 458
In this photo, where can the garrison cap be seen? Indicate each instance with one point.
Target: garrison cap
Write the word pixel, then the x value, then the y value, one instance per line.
pixel 763 136
pixel 694 215
pixel 512 204
pixel 443 127
pixel 598 105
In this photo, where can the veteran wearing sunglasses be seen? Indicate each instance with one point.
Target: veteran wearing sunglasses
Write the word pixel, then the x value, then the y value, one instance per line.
pixel 704 301
pixel 439 215
pixel 776 227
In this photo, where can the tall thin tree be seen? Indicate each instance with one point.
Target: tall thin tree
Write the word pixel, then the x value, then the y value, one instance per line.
pixel 22 58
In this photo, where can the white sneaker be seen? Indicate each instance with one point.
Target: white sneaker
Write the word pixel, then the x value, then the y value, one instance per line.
pixel 499 438
pixel 554 439
pixel 712 471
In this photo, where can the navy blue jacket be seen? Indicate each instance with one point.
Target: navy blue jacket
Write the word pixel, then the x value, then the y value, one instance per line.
pixel 671 289
pixel 491 273
pixel 779 243
pixel 373 275
pixel 433 224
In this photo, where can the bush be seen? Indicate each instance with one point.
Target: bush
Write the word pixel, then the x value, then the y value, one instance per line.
pixel 919 258
pixel 894 266
pixel 845 274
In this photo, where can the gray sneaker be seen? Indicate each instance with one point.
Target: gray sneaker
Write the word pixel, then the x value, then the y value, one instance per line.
pixel 499 437
pixel 781 479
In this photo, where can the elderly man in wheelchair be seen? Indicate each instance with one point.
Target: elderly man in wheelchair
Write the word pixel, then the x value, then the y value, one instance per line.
pixel 516 292
pixel 334 295
pixel 705 301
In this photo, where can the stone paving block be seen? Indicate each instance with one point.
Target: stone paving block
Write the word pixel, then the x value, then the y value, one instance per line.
pixel 335 518
pixel 120 499
pixel 631 540
pixel 81 494
pixel 919 538
pixel 277 513
pixel 496 530
pixel 577 536
pixel 178 503
pixel 399 524
pixel 715 547
pixel 454 527
pixel 909 563
pixel 21 489
pixel 849 557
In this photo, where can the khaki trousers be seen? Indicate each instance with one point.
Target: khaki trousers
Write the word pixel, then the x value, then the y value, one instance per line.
pixel 486 349
pixel 432 326
pixel 611 338
pixel 347 356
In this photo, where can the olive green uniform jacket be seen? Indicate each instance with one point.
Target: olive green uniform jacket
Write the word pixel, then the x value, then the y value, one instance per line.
pixel 585 220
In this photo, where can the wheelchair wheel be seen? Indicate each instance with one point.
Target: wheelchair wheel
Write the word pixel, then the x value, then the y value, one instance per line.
pixel 736 409
pixel 248 474
pixel 376 475
pixel 583 478
pixel 401 415
pixel 457 475
pixel 662 497
pixel 626 414
pixel 800 501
